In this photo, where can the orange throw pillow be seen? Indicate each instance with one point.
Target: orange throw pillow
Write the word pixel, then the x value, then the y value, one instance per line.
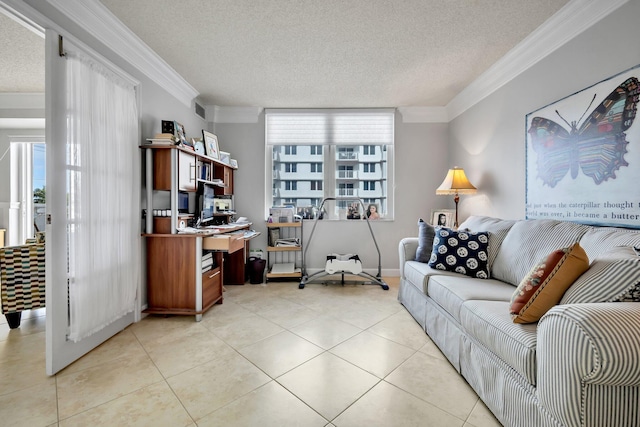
pixel 546 283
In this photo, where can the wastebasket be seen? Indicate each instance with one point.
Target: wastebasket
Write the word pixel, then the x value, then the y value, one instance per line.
pixel 256 270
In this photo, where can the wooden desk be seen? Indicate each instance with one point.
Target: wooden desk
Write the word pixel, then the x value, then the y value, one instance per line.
pixel 175 281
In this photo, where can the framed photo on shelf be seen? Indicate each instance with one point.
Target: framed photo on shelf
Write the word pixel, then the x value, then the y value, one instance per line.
pixel 180 134
pixel 211 144
pixel 443 217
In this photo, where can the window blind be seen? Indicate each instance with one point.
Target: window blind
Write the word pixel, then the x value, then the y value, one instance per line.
pixel 329 127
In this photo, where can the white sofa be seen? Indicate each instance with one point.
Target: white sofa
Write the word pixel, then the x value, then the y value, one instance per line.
pixel 579 365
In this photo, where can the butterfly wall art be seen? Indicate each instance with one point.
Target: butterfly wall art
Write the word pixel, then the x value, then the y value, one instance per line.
pixel 596 145
pixel 583 155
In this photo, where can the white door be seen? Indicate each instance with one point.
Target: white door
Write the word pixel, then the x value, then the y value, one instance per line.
pixel 60 349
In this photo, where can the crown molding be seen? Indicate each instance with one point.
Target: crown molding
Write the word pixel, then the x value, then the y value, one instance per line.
pixel 94 18
pixel 21 123
pixel 22 101
pixel 233 114
pixel 574 18
pixel 423 114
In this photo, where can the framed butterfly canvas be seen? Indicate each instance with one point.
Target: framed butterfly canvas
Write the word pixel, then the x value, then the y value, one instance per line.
pixel 583 155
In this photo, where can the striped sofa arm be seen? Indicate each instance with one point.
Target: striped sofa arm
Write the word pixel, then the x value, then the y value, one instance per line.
pixel 407 251
pixel 22 277
pixel 588 368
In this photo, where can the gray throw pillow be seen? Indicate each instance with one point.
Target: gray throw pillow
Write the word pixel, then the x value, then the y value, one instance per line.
pixel 425 241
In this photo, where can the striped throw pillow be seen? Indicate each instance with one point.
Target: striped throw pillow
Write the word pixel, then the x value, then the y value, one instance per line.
pixel 613 276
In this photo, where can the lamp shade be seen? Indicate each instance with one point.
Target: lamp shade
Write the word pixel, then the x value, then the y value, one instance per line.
pixel 456 182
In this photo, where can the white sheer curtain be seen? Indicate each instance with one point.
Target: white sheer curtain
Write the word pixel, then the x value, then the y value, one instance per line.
pixel 103 196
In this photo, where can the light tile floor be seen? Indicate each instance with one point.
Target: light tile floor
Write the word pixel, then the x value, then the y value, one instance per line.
pixel 270 355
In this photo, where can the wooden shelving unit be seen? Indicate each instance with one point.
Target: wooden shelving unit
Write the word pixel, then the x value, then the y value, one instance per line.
pixel 285 254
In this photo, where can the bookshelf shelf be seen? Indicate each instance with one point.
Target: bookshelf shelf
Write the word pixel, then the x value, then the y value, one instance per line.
pixel 289 235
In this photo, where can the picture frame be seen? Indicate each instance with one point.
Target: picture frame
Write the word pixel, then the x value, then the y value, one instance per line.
pixel 180 134
pixel 372 211
pixel 233 163
pixel 211 144
pixel 581 155
pixel 443 217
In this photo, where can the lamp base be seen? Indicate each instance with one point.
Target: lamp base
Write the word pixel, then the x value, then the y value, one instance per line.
pixel 456 199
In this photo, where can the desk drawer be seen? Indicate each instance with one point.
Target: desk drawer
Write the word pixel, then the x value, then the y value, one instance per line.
pixel 225 242
pixel 211 286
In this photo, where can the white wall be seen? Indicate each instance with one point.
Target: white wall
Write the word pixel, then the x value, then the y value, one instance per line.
pixel 489 139
pixel 421 162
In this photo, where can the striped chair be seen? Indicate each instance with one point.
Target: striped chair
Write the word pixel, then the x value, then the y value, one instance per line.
pixel 22 276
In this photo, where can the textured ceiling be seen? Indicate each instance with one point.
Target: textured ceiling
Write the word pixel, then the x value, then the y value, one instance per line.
pixel 309 53
pixel 21 58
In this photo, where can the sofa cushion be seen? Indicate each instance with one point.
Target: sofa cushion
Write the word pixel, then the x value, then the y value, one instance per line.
pixel 426 233
pixel 497 229
pixel 530 241
pixel 489 323
pixel 598 240
pixel 613 276
pixel 450 292
pixel 546 283
pixel 418 274
pixel 463 252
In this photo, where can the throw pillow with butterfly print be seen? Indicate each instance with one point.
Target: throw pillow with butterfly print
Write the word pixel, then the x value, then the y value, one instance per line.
pixel 579 166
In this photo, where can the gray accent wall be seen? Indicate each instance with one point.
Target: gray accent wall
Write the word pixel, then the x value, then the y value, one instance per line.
pixel 489 138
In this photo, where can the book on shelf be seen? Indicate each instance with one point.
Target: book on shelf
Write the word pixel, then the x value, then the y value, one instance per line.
pixel 207 260
pixel 205 172
pixel 164 136
pixel 159 141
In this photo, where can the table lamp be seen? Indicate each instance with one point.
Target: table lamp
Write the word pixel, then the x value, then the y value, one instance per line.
pixel 455 183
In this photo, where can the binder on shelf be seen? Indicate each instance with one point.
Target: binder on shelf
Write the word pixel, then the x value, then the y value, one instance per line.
pixel 274 236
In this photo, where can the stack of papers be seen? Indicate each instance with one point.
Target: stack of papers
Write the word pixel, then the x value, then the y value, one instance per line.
pixel 282 268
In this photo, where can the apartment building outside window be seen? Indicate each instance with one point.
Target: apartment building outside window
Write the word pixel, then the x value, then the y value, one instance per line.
pixel 341 154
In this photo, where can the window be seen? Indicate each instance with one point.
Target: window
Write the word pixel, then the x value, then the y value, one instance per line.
pixel 340 146
pixel 291 167
pixel 28 189
pixel 291 185
pixel 290 150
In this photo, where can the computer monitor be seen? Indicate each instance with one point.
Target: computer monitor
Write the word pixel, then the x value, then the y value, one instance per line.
pixel 183 202
pixel 207 203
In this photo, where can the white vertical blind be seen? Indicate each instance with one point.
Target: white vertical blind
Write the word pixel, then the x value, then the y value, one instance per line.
pixel 329 127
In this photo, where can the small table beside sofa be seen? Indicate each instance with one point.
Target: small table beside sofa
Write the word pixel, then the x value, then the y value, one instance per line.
pixel 541 317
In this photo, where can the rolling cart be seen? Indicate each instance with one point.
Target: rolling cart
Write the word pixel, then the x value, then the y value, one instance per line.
pixel 342 263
